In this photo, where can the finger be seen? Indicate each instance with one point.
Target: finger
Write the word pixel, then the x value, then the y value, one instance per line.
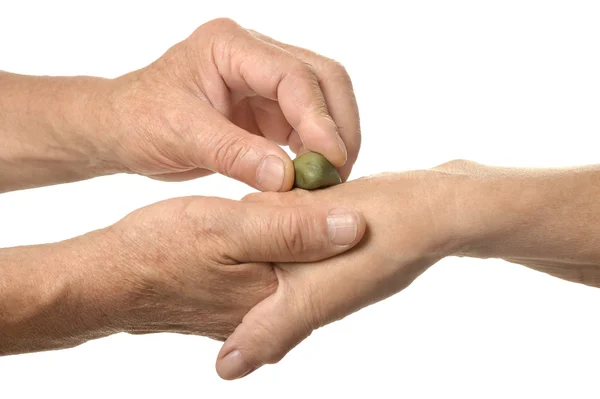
pixel 270 119
pixel 295 143
pixel 338 92
pixel 267 333
pixel 246 64
pixel 263 233
pixel 236 153
pixel 261 116
pixel 315 296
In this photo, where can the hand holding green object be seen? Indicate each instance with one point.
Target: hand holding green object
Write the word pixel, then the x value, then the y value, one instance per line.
pixel 314 171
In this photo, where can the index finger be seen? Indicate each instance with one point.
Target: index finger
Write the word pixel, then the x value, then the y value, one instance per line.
pixel 338 92
pixel 250 65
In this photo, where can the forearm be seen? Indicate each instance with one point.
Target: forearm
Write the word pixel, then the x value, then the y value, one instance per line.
pixel 54 296
pixel 548 220
pixel 50 130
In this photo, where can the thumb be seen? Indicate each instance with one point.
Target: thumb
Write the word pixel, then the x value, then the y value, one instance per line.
pixel 267 233
pixel 267 333
pixel 235 152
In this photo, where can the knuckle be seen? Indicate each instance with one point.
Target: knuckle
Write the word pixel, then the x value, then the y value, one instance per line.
pixel 221 24
pixel 217 35
pixel 228 150
pixel 294 230
pixel 202 218
pixel 255 33
pixel 458 165
pixel 267 197
pixel 337 70
pixel 302 70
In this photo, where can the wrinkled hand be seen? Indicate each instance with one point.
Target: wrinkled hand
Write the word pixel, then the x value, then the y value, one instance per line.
pixel 191 265
pixel 411 225
pixel 222 100
pixel 196 265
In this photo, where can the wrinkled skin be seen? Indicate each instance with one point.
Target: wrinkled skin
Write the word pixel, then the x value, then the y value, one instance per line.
pixel 193 265
pixel 222 101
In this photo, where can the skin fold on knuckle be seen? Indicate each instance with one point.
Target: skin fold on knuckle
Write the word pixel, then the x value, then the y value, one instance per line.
pixel 214 30
pixel 334 70
pixel 296 234
pixel 296 74
pixel 218 25
pixel 228 151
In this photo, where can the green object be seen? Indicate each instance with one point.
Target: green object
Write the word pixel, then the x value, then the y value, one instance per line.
pixel 314 171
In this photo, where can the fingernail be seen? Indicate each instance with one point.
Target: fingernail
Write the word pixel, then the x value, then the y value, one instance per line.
pixel 233 366
pixel 342 225
pixel 343 148
pixel 270 173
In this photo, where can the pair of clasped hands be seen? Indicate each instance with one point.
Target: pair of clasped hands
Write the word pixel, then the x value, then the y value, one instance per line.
pixel 264 272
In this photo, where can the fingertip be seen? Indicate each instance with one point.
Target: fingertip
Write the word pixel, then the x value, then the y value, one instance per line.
pixel 343 149
pixel 321 135
pixel 233 366
pixel 345 171
pixel 289 175
pixel 333 149
pixel 295 143
pixel 275 173
pixel 231 363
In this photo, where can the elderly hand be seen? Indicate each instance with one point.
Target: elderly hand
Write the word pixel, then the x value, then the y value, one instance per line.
pixel 188 265
pixel 412 223
pixel 222 100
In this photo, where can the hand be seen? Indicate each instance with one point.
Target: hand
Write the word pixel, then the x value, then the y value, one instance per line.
pixel 189 265
pixel 412 223
pixel 545 219
pixel 222 100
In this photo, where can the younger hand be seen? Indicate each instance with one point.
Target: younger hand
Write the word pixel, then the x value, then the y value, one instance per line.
pixel 411 225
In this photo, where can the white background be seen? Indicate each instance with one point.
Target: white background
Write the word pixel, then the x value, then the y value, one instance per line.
pixel 500 82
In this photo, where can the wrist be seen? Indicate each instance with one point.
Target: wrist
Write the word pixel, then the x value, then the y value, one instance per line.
pixel 102 287
pixel 498 210
pixel 80 120
pixel 54 299
pixel 531 214
pixel 53 130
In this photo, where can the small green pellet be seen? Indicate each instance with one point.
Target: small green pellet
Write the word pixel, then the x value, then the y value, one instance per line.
pixel 314 171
